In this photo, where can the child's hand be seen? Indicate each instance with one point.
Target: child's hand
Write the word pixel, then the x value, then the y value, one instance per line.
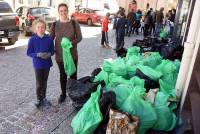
pixel 44 55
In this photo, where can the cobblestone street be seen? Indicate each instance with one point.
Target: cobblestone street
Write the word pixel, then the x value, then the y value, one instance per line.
pixel 18 114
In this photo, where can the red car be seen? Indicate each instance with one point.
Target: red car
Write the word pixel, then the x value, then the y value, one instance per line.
pixel 89 16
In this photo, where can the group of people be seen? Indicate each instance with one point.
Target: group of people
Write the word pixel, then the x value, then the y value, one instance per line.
pixel 41 48
pixel 149 22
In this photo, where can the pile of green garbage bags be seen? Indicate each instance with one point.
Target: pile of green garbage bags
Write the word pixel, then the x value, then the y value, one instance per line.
pixel 119 77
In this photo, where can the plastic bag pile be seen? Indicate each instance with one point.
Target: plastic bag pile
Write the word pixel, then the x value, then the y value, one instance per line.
pixel 132 88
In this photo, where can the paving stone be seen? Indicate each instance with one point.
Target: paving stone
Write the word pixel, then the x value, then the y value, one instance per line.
pixel 8 128
pixel 12 118
pixel 2 120
pixel 29 118
pixel 24 124
pixel 19 115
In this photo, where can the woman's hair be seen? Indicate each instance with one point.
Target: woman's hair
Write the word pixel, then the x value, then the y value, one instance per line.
pixel 35 22
pixel 62 5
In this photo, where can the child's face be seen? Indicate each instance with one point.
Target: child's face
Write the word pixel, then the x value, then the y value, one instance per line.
pixel 40 28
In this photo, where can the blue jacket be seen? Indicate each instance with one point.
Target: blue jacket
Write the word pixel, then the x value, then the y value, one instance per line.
pixel 121 24
pixel 38 44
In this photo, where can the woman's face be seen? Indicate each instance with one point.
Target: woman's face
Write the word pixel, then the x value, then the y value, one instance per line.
pixel 63 12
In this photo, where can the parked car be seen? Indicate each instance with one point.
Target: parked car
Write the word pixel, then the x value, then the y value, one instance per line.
pixel 28 14
pixel 9 23
pixel 89 16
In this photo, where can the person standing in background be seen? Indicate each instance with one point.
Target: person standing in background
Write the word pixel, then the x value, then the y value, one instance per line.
pixel 104 36
pixel 159 21
pixel 138 18
pixel 120 28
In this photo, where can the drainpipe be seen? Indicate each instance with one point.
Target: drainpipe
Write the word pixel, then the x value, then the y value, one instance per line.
pixel 189 56
pixel 188 50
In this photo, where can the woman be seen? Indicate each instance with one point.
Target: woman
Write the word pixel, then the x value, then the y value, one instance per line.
pixel 65 27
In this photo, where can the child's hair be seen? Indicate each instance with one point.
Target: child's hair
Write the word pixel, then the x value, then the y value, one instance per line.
pixel 35 22
pixel 62 4
pixel 107 14
pixel 122 14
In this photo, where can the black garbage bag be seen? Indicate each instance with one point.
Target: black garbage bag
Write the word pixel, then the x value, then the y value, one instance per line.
pixel 107 101
pixel 121 52
pixel 148 49
pixel 149 83
pixel 94 73
pixel 167 51
pixel 177 53
pixel 79 91
pixel 85 79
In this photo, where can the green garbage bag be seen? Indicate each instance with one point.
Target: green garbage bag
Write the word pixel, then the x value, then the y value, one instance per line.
pixel 115 80
pixel 102 76
pixel 122 92
pixel 89 117
pixel 166 118
pixel 137 81
pixel 167 88
pixel 107 65
pixel 152 60
pixel 69 65
pixel 163 34
pixel 167 82
pixel 177 63
pixel 133 51
pixel 137 106
pixel 167 67
pixel 119 67
pixel 133 56
pixel 170 79
pixel 153 74
pixel 133 60
pixel 131 70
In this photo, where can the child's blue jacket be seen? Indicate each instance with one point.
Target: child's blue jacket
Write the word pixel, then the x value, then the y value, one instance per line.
pixel 38 44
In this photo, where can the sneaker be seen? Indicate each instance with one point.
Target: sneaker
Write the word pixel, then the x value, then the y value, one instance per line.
pixel 107 46
pixel 39 103
pixel 62 99
pixel 46 102
pixel 103 46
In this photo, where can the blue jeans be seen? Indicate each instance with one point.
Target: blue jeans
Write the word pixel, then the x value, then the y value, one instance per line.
pixel 158 29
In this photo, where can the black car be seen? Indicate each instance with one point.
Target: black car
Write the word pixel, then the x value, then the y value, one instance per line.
pixel 9 23
pixel 28 14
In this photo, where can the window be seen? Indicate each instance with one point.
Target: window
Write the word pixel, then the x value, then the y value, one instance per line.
pixel 5 8
pixel 35 11
pixel 48 11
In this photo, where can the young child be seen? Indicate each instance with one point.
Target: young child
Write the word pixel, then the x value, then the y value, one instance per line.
pixel 40 49
pixel 104 37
